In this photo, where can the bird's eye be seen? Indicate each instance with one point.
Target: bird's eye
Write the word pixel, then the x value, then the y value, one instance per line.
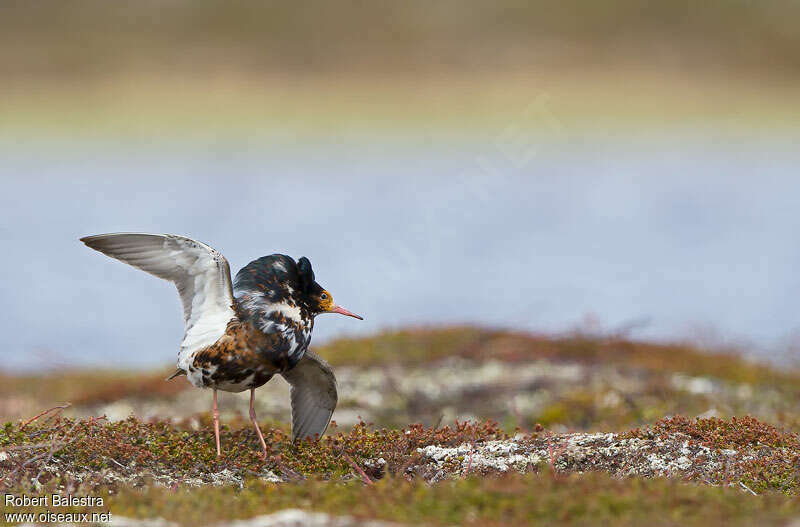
pixel 324 296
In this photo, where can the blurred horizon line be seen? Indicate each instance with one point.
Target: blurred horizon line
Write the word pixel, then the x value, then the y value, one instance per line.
pixel 322 105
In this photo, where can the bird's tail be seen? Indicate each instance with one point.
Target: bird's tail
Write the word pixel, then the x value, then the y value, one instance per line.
pixel 177 373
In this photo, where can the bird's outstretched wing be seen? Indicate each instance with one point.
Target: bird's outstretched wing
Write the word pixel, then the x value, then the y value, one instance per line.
pixel 201 274
pixel 314 396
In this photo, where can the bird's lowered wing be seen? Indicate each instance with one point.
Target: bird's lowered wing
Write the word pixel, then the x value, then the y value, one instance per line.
pixel 314 396
pixel 200 273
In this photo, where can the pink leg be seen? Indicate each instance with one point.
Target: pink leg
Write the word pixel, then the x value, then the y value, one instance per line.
pixel 255 424
pixel 215 415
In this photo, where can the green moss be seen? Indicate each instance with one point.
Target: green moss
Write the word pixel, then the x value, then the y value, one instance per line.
pixel 159 447
pixel 322 477
pixel 773 453
pixel 741 432
pixel 532 499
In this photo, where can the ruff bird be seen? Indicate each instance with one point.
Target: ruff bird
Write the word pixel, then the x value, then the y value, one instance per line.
pixel 237 336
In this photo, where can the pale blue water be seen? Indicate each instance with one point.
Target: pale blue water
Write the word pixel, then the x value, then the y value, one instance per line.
pixel 684 230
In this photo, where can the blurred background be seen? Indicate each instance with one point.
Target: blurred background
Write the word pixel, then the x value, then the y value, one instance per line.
pixel 623 166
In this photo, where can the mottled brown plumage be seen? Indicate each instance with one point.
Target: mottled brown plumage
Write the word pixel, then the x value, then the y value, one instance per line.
pixel 235 357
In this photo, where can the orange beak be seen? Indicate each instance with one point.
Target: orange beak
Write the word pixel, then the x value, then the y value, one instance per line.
pixel 343 311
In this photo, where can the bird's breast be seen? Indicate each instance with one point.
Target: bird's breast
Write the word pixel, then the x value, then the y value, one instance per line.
pixel 287 332
pixel 247 356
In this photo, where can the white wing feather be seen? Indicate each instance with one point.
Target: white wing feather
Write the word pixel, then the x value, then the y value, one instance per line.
pixel 314 395
pixel 201 274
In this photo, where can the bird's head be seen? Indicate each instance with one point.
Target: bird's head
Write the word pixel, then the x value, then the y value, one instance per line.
pixel 318 299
